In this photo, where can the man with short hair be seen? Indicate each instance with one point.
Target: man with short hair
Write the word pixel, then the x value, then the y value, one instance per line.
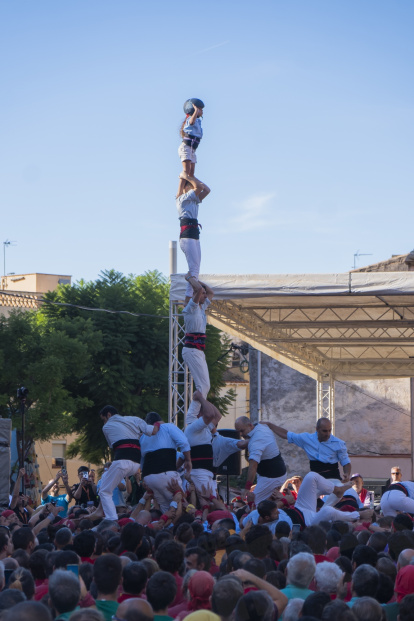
pixel 197 558
pixel 364 555
pixel 265 459
pixel 28 611
pixel 324 450
pixel 63 538
pixel 24 539
pixel 64 593
pixel 226 593
pixel 365 581
pixel 122 434
pixel 135 610
pixel 6 545
pixel 161 592
pixel 84 492
pixel 300 572
pixel 107 573
pixel 268 514
pixel 405 558
pixel 169 556
pixel 134 579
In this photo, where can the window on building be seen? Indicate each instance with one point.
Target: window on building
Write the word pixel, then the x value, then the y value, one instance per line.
pixel 59 454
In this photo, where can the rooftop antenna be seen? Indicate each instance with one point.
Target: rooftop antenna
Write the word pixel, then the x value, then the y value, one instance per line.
pixel 360 254
pixel 6 244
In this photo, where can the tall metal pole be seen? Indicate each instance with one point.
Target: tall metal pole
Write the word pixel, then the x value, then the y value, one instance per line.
pixel 173 257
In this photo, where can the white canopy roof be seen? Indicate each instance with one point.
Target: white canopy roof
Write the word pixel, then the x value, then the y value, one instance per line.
pixel 354 325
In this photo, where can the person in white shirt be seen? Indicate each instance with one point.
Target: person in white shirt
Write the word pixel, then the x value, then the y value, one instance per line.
pixel 195 324
pixel 398 498
pixel 267 513
pixel 191 195
pixel 208 448
pixel 265 459
pixel 159 459
pixel 122 434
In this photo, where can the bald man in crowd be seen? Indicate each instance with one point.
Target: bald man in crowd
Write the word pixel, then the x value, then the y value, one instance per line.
pixel 135 609
pixel 324 450
pixel 265 459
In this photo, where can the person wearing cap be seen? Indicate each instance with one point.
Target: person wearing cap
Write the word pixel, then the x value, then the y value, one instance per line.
pixel 265 459
pixel 324 450
pixel 122 434
pixel 358 485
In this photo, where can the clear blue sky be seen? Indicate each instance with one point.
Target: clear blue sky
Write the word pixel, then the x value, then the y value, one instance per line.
pixel 308 133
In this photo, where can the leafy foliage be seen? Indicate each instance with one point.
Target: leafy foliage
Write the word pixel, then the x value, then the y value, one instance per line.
pixel 46 360
pixel 127 355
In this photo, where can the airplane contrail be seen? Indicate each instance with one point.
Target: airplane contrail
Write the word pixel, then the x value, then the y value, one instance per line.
pixel 213 47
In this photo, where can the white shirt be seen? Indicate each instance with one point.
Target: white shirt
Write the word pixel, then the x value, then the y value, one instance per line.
pixel 125 428
pixel 262 443
pixel 187 205
pixel 169 436
pixel 222 448
pixel 195 319
pixel 198 432
pixel 329 452
pixel 254 517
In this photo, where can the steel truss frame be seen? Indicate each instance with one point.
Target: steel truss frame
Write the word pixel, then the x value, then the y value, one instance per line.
pixel 180 383
pixel 326 398
pixel 360 343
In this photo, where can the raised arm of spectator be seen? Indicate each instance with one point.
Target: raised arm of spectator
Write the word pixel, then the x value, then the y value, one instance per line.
pixel 48 487
pixel 277 596
pixel 144 503
pixel 49 519
pixel 16 488
pixel 279 431
pixel 65 481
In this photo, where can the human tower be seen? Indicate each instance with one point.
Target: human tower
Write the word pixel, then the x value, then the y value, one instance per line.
pixel 191 192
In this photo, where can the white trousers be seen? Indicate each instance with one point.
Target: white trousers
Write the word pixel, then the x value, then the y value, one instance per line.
pixel 265 486
pixel 120 469
pixel 196 362
pixel 201 477
pixel 158 483
pixel 332 499
pixel 192 251
pixel 394 501
pixel 313 486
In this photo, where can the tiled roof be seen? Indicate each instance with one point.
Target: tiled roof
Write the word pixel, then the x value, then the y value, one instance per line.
pixel 397 263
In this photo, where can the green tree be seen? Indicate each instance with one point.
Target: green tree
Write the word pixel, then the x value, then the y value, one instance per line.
pixel 128 363
pixel 45 360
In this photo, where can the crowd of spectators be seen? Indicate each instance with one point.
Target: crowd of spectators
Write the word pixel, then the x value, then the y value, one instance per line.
pixel 201 560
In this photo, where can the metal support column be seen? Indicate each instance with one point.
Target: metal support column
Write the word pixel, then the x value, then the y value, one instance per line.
pixel 180 384
pixel 326 398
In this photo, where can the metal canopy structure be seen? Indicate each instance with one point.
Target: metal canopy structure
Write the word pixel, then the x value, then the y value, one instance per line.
pixel 357 325
pixel 353 326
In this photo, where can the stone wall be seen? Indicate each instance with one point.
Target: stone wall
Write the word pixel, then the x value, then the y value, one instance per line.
pixel 372 416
